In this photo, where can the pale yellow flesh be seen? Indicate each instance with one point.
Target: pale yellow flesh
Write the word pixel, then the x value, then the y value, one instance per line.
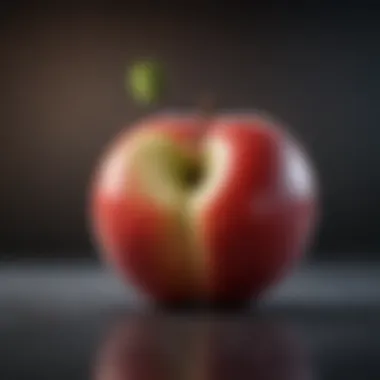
pixel 163 170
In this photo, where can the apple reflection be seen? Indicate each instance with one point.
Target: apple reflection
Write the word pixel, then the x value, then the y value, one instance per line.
pixel 155 348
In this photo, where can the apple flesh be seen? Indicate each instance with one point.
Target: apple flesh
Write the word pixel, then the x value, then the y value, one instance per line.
pixel 204 210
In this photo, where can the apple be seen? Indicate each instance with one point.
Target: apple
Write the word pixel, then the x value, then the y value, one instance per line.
pixel 202 349
pixel 196 209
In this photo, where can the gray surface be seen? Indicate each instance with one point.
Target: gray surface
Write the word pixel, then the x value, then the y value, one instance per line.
pixel 54 318
pixel 76 286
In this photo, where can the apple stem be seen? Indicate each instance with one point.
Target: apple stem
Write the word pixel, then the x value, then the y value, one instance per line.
pixel 206 111
pixel 207 105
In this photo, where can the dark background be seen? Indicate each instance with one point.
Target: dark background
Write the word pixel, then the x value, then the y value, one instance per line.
pixel 62 98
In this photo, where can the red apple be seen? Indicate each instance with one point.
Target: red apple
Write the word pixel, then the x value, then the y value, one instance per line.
pixel 199 349
pixel 198 209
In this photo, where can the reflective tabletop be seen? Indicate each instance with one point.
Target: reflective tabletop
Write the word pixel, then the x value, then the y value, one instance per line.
pixel 85 336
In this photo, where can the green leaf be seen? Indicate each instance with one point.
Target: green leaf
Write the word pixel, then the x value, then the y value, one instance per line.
pixel 146 82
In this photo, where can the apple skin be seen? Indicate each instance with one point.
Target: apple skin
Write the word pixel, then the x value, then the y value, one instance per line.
pixel 246 225
pixel 202 349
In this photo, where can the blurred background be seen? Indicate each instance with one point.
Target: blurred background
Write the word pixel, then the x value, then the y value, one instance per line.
pixel 62 75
